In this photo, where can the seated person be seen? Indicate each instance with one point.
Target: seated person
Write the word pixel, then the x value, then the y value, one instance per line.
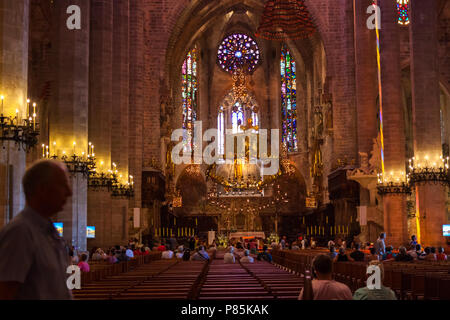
pixel 332 253
pixel 229 256
pixel 412 252
pixel 357 254
pixel 342 256
pixel 384 293
pixel 168 254
pixel 247 258
pixel 129 253
pixel 420 254
pixel 402 255
pixel 373 255
pixel 145 251
pixel 200 255
pixel 187 254
pixel 180 252
pixel 441 256
pixel 98 255
pixel 323 286
pixel 389 255
pixel 295 246
pixel 111 257
pixel 162 247
pixel 331 244
pixel 266 256
pixel 83 265
pixel 431 254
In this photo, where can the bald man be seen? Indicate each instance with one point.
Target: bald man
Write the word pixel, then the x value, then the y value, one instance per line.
pixel 33 257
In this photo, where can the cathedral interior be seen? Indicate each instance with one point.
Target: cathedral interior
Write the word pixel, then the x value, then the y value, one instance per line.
pixel 357 117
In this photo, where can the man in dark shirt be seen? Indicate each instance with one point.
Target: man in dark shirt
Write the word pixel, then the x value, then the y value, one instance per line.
pixel 357 254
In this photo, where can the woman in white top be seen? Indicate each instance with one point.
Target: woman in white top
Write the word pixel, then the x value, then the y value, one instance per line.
pixel 229 256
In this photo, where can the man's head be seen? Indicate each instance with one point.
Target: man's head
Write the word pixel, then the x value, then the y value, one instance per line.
pixel 323 266
pixel 84 257
pixel 46 186
pixel 402 250
pixel 382 235
pixel 413 238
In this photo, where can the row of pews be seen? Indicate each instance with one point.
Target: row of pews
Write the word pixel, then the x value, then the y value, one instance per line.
pixel 429 280
pixel 154 278
pixel 258 280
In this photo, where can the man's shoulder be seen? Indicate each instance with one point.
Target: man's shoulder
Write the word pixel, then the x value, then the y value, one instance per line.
pixel 18 226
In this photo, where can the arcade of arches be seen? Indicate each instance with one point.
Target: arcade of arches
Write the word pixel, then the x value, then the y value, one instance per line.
pixel 119 87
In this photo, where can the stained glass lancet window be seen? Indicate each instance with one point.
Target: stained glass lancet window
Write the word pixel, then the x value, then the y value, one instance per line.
pixel 237 118
pixel 288 100
pixel 403 12
pixel 238 51
pixel 221 132
pixel 189 97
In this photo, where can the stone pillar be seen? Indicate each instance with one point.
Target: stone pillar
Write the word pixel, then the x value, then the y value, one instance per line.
pixel 14 31
pixel 68 119
pixel 136 101
pixel 120 114
pixel 430 198
pixel 366 78
pixel 100 114
pixel 366 93
pixel 395 219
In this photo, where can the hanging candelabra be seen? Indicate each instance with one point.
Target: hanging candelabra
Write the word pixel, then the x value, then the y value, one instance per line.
pixel 23 132
pixel 83 163
pixel 429 170
pixel 395 183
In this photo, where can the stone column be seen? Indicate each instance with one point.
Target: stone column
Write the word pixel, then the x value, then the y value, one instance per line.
pixel 395 219
pixel 68 118
pixel 120 114
pixel 14 31
pixel 136 56
pixel 430 198
pixel 100 114
pixel 366 78
pixel 366 93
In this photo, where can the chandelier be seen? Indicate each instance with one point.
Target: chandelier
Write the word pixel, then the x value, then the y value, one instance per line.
pixel 285 19
pixel 23 132
pixel 86 165
pixel 428 170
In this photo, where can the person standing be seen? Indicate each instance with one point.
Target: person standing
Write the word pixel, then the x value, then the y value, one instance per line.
pixel 380 246
pixel 25 272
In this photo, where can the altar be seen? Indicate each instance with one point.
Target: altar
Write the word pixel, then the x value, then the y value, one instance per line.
pixel 256 234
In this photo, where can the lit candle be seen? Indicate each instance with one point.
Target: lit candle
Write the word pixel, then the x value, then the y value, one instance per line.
pixel 74 144
pixel 34 116
pixel 28 108
pixel 2 98
pixel 17 116
pixel 54 148
pixel 47 152
pixel 43 151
